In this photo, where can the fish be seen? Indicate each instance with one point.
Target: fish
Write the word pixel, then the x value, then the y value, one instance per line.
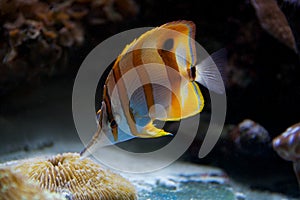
pixel 154 78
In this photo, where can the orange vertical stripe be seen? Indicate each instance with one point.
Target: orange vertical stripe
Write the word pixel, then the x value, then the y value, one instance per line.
pixel 148 90
pixel 169 59
pixel 124 98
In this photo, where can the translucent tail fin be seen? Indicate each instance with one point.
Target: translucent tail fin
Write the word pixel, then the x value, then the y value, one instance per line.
pixel 210 72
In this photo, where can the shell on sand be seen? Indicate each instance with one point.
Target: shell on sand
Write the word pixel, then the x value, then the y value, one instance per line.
pixel 76 178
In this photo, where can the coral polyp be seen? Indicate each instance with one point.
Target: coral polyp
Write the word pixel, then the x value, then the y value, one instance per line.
pixel 76 178
pixel 14 186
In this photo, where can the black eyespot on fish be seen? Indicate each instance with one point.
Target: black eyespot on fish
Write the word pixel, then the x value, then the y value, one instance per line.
pixel 168 45
pixel 113 124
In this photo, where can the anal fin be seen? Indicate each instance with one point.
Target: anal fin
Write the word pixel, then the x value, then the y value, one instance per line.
pixel 150 131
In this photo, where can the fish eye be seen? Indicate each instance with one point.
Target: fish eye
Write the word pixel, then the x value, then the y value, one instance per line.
pixel 168 44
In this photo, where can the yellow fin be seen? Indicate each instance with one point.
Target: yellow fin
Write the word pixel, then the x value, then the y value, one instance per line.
pixel 190 104
pixel 150 131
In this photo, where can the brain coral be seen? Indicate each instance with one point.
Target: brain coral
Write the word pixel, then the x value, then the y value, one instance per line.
pixel 14 186
pixel 76 178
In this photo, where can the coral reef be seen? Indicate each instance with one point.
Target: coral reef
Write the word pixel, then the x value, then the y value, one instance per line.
pixel 274 21
pixel 262 72
pixel 76 178
pixel 287 145
pixel 14 186
pixel 36 35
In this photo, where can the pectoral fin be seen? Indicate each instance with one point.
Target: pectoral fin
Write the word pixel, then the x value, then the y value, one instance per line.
pixel 150 131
